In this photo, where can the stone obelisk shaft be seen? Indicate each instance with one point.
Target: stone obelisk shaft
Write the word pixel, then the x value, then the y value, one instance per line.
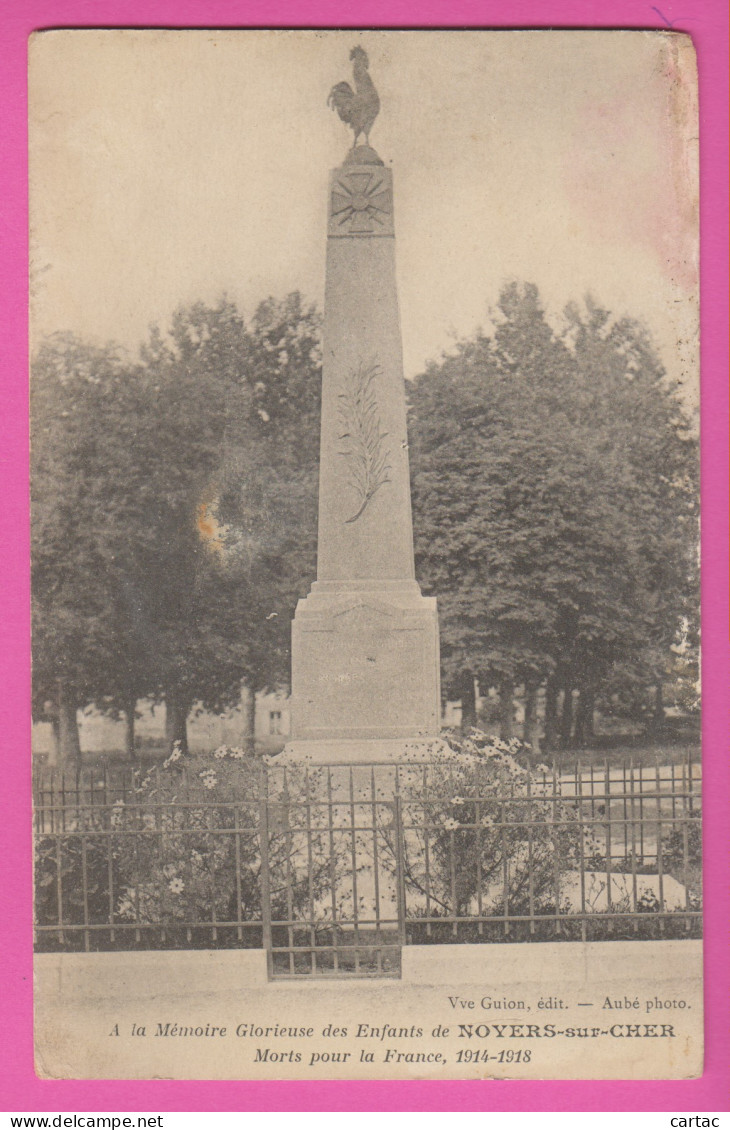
pixel 365 659
pixel 364 446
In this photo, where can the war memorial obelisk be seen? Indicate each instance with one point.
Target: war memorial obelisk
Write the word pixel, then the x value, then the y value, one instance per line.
pixel 365 646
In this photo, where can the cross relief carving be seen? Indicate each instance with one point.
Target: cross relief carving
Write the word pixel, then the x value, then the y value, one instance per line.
pixel 361 203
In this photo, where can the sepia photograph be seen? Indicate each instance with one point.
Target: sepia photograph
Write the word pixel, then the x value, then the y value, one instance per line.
pixel 365 554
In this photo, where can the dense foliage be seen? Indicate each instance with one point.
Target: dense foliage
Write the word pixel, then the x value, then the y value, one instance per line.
pixel 555 492
pixel 174 510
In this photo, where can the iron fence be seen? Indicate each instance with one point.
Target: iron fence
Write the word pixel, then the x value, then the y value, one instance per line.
pixel 121 862
pixel 332 869
pixel 545 855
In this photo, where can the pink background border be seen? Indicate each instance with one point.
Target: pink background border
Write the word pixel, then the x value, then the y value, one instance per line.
pixel 20 1090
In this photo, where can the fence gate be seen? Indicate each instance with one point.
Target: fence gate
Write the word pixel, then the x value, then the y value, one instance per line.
pixel 331 873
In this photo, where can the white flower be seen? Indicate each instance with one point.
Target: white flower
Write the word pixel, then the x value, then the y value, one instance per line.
pixel 220 753
pixel 451 824
pixel 126 907
pixel 174 756
pixel 457 800
pixel 176 886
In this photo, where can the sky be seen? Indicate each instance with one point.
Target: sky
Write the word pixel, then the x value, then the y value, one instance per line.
pixel 172 166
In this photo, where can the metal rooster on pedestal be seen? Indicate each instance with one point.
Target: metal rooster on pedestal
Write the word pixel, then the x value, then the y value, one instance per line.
pixel 358 108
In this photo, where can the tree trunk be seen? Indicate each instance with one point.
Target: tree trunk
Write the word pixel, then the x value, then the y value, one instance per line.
pixel 55 753
pixel 551 715
pixel 657 720
pixel 531 729
pixel 130 711
pixel 248 708
pixel 566 716
pixel 69 744
pixel 584 717
pixel 468 701
pixel 177 708
pixel 506 710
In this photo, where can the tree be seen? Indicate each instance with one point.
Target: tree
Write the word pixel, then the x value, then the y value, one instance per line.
pixel 234 478
pixel 657 441
pixel 554 490
pixel 174 511
pixel 83 401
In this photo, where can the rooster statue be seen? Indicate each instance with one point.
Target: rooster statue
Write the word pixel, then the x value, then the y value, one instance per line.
pixel 358 108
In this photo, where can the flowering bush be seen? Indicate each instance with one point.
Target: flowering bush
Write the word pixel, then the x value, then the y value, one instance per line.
pixel 482 836
pixel 176 860
pixel 201 863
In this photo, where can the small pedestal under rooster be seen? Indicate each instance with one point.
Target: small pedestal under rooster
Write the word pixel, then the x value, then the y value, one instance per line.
pixel 365 647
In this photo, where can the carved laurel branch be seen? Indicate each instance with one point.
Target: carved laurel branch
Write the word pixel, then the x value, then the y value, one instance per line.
pixel 364 443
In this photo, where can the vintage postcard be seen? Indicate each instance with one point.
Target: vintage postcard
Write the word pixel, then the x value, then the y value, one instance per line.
pixel 365 503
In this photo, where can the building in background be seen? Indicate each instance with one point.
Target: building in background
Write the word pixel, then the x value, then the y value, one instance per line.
pixel 206 731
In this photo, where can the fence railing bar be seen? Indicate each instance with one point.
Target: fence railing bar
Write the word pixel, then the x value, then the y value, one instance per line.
pixel 182 924
pixel 376 869
pixel 609 845
pixel 581 847
pixel 254 925
pixel 110 882
pixel 426 853
pixel 625 809
pixel 634 881
pixel 452 874
pixel 310 874
pixel 685 867
pixel 595 797
pixel 288 866
pixel 480 907
pixel 333 869
pixel 553 800
pixel 659 850
pixel 264 868
pixel 641 824
pixel 59 889
pixel 400 869
pixel 238 862
pixel 137 914
pixel 505 877
pixel 530 876
pixel 231 830
pixel 355 905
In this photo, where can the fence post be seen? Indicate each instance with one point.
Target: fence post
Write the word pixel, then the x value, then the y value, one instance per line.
pixel 399 862
pixel 264 871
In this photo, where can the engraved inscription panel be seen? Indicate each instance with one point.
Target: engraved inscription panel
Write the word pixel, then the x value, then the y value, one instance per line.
pixel 371 676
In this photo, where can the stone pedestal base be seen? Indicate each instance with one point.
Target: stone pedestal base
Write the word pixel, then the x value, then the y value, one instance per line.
pixel 365 671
